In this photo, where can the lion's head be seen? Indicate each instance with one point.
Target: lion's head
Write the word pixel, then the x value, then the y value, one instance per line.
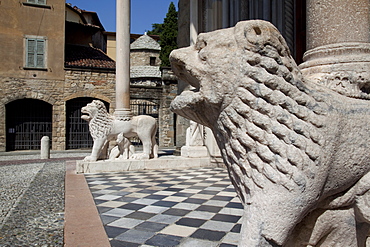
pixel 96 114
pixel 222 60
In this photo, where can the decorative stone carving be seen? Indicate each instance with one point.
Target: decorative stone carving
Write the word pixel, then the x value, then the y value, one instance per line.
pixel 194 134
pixel 194 146
pixel 123 150
pixel 105 127
pixel 296 151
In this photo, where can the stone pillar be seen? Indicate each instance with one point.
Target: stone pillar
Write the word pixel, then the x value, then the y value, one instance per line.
pixel 123 60
pixel 193 21
pixel 338 43
pixel 45 148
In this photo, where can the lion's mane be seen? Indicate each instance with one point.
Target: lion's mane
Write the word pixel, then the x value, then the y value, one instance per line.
pixel 101 121
pixel 271 127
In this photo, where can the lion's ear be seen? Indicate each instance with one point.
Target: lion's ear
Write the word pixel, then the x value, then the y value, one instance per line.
pixel 254 35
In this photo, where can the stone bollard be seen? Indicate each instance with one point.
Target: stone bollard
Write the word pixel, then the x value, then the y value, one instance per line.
pixel 45 147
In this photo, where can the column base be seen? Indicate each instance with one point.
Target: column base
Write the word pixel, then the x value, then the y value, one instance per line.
pixel 194 151
pixel 342 67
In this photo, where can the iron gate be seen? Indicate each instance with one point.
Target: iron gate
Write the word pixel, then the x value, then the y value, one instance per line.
pixel 27 121
pixel 144 107
pixel 78 135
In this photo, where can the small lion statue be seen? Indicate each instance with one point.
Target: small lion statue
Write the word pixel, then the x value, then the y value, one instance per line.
pixel 104 127
pixel 297 152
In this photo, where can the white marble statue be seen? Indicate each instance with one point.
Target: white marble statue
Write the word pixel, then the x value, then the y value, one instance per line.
pixel 194 134
pixel 123 150
pixel 104 127
pixel 297 152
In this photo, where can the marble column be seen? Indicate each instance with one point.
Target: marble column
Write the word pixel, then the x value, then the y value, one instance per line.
pixel 338 46
pixel 123 60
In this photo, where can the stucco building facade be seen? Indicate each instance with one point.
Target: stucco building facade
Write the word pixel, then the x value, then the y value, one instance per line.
pixel 56 63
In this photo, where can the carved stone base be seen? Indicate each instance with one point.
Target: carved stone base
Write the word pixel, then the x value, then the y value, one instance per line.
pixel 342 67
pixel 194 151
pixel 169 162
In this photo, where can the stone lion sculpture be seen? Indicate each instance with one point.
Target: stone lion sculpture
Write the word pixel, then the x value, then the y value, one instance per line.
pixel 123 150
pixel 297 152
pixel 104 127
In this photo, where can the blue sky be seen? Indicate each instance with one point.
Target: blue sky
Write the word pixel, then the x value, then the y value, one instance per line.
pixel 143 12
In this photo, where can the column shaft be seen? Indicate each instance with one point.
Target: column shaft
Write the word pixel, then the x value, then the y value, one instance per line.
pixel 123 58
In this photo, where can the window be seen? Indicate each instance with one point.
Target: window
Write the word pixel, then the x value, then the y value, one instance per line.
pixel 41 2
pixel 152 61
pixel 35 53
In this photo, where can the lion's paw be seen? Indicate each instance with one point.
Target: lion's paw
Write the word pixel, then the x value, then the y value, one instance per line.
pixel 90 158
pixel 140 156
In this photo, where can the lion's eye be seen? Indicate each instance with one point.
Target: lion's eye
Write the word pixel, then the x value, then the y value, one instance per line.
pixel 200 45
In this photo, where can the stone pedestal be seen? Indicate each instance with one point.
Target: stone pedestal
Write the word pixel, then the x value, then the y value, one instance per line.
pixel 194 151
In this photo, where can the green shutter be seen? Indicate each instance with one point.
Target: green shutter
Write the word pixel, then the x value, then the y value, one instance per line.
pixel 35 53
pixel 31 1
pixel 40 53
pixel 31 44
pixel 43 2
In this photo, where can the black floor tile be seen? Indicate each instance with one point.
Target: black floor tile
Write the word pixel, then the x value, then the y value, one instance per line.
pixel 234 205
pixel 229 190
pixel 140 215
pixel 164 240
pixel 97 201
pixel 212 209
pixel 182 194
pixel 197 187
pixel 132 206
pixel 173 189
pixel 151 226
pixel 164 185
pixel 121 193
pixel 165 204
pixel 126 199
pixel 106 219
pixel 103 209
pixel 176 212
pixel 116 243
pixel 155 197
pixel 222 198
pixel 113 232
pixel 147 191
pixel 190 222
pixel 195 200
pixel 208 235
pixel 236 228
pixel 208 192
pixel 116 188
pixel 226 218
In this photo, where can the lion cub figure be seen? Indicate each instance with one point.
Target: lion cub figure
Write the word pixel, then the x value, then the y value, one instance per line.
pixel 105 127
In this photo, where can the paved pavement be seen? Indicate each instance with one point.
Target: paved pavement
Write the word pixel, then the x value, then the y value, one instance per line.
pixel 32 198
pixel 192 207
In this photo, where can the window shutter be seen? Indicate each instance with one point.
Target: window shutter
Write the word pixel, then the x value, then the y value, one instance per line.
pixel 35 53
pixel 40 50
pixel 43 2
pixel 31 45
pixel 31 1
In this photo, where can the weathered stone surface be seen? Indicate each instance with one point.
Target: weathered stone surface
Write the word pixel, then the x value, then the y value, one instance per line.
pixel 104 127
pixel 296 151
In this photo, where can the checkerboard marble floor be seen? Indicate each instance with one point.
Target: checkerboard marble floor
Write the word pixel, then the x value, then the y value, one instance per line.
pixel 192 207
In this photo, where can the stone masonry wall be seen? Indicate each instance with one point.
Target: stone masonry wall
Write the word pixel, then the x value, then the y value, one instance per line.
pixel 142 57
pixel 50 91
pixel 81 83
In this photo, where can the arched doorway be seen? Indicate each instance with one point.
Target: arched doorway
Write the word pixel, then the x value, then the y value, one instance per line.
pixel 27 121
pixel 77 130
